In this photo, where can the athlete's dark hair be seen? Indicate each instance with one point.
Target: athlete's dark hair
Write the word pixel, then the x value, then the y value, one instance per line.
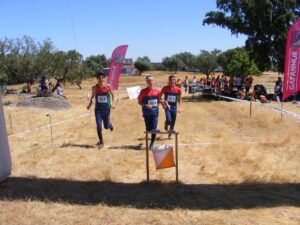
pixel 100 73
pixel 171 77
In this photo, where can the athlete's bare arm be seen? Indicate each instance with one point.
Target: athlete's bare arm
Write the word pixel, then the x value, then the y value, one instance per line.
pixel 112 97
pixel 179 103
pixel 92 97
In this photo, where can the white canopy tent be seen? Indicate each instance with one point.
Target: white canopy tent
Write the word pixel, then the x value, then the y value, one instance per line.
pixel 5 160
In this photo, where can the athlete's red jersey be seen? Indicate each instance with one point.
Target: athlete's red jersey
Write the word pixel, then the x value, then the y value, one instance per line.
pixel 171 94
pixel 151 97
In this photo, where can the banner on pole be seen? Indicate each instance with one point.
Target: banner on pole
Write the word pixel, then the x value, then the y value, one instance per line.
pixel 115 68
pixel 292 61
pixel 133 92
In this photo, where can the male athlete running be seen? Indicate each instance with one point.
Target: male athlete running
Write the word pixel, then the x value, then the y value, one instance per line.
pixel 172 95
pixel 104 99
pixel 149 100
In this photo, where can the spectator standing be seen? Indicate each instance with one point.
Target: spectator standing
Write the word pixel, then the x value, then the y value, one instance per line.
pixel 186 84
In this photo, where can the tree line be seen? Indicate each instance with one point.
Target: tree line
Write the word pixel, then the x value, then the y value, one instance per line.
pixel 232 62
pixel 25 60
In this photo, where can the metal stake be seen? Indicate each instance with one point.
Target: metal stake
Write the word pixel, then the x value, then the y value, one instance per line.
pixel 50 122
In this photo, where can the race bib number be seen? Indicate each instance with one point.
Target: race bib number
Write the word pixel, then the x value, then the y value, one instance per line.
pixel 171 98
pixel 102 99
pixel 153 102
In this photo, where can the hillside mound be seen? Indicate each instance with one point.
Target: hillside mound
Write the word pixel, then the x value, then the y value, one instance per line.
pixel 54 102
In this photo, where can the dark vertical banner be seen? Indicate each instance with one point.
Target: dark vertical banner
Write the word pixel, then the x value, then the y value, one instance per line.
pixel 292 61
pixel 116 63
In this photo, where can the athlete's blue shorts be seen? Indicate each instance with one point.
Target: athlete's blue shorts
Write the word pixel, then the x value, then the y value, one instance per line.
pixel 171 116
pixel 151 122
pixel 103 115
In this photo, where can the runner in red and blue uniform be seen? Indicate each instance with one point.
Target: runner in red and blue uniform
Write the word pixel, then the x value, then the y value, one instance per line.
pixel 104 99
pixel 172 95
pixel 149 100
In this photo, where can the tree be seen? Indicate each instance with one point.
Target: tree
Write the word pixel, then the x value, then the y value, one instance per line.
pixel 206 61
pixel 265 22
pixel 65 67
pixel 23 60
pixel 224 58
pixel 4 48
pixel 240 64
pixel 142 64
pixel 187 59
pixel 96 63
pixel 172 63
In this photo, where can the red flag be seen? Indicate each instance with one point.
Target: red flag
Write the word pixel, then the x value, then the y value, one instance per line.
pixel 116 63
pixel 292 61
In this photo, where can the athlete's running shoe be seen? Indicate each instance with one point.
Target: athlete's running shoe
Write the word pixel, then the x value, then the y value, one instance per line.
pixel 100 145
pixel 166 126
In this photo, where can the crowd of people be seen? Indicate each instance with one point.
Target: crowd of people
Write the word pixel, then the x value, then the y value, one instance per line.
pixel 239 86
pixel 46 88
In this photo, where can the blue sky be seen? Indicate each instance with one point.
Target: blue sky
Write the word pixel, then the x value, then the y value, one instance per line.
pixel 153 28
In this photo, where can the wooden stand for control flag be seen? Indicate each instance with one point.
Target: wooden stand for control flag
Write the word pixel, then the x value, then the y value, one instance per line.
pixel 147 151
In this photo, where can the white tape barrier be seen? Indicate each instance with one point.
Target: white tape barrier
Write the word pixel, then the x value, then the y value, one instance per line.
pixel 288 113
pixel 53 124
pixel 5 160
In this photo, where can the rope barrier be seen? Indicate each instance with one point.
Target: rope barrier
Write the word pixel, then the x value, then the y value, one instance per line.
pixel 288 113
pixel 46 126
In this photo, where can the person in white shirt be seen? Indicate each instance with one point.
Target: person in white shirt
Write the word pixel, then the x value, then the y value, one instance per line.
pixel 60 91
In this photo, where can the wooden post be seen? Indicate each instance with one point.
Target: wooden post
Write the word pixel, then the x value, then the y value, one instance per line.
pixel 50 122
pixel 176 153
pixel 147 156
pixel 250 108
pixel 147 151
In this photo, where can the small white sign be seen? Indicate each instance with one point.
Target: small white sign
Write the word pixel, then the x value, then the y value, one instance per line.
pixel 133 92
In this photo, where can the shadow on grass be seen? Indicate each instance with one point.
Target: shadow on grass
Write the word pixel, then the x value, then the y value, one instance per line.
pixel 152 195
pixel 77 145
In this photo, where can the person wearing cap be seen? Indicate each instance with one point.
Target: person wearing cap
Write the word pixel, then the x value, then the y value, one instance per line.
pixel 149 99
pixel 104 100
pixel 172 95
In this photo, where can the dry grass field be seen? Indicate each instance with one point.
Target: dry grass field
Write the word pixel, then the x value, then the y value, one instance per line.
pixel 233 169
